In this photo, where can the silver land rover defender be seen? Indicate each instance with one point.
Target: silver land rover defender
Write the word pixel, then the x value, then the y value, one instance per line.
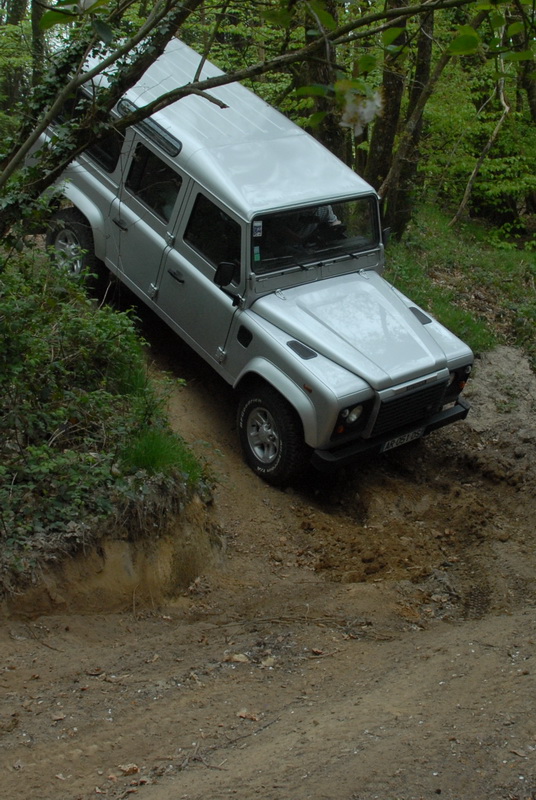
pixel 264 253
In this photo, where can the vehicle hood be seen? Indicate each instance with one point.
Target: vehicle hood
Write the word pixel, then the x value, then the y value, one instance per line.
pixel 360 322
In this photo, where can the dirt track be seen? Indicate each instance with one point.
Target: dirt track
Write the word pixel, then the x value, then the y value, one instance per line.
pixel 370 636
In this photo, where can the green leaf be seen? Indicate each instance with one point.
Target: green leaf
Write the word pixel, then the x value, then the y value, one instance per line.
pixel 464 44
pixel 497 20
pixel 322 14
pixel 51 18
pixel 367 63
pixel 495 43
pixel 521 55
pixel 103 30
pixel 467 30
pixel 351 85
pixel 390 35
pixel 316 118
pixel 515 28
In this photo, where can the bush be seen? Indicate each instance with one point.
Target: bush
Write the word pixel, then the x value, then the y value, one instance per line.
pixel 75 408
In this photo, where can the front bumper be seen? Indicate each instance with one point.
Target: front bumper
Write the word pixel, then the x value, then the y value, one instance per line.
pixel 350 452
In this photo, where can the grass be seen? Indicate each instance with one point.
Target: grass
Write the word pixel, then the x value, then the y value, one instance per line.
pixel 158 450
pixel 485 294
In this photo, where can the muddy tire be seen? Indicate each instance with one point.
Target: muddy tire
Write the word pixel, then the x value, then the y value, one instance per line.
pixel 69 235
pixel 271 436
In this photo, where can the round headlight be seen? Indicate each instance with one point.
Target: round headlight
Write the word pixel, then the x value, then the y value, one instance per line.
pixel 354 414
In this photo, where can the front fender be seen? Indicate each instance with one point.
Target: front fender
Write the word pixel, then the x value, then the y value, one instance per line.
pixel 298 398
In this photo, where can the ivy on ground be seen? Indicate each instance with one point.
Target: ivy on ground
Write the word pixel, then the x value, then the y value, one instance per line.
pixel 74 400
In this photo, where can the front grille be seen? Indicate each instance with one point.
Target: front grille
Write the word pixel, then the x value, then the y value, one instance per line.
pixel 406 409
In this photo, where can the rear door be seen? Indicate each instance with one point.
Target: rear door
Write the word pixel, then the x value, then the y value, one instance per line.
pixel 142 217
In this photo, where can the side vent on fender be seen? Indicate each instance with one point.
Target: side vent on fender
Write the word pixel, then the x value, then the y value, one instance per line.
pixel 421 316
pixel 301 349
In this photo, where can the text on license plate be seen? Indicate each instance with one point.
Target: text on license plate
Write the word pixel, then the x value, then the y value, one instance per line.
pixel 403 439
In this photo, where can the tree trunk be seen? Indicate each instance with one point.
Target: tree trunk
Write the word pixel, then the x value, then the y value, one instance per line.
pixel 406 139
pixel 38 43
pixel 322 70
pixel 385 127
pixel 16 9
pixel 528 82
pixel 399 206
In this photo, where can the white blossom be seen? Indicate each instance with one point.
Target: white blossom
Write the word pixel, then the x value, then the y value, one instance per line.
pixel 360 110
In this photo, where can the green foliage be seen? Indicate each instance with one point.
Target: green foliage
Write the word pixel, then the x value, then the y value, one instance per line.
pixel 15 64
pixel 74 401
pixel 156 450
pixel 508 176
pixel 482 293
pixel 460 119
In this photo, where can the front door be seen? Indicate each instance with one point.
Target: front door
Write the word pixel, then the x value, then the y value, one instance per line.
pixel 187 295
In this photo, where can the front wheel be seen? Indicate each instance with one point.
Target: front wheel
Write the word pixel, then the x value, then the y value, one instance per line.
pixel 69 234
pixel 271 436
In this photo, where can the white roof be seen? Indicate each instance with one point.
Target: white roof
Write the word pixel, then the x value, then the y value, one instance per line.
pixel 248 154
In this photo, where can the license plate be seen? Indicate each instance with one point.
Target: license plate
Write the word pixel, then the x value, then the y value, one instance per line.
pixel 403 439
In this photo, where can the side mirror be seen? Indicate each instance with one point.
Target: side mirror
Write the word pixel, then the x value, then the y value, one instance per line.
pixel 225 272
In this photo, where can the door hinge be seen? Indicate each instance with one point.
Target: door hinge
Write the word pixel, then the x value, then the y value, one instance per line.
pixel 170 239
pixel 221 355
pixel 153 290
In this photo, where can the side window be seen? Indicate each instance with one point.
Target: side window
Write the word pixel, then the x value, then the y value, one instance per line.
pixel 153 182
pixel 106 152
pixel 213 233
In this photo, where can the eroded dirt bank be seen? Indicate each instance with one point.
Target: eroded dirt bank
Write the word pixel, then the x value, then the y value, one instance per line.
pixel 366 636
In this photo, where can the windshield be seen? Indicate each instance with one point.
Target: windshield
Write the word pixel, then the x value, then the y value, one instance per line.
pixel 317 233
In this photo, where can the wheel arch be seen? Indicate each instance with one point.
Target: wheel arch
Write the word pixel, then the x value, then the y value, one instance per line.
pixel 260 371
pixel 91 213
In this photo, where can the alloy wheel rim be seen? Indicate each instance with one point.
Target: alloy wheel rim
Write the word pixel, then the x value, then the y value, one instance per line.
pixel 263 437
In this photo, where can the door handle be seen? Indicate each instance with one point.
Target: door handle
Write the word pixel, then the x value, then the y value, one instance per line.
pixel 120 224
pixel 176 275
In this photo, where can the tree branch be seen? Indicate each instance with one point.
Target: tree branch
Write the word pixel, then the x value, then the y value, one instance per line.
pixel 483 154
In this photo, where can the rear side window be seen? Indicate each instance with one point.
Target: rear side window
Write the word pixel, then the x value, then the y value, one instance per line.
pixel 213 233
pixel 106 152
pixel 154 182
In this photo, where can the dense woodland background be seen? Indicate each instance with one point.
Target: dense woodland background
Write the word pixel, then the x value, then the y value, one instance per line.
pixel 429 101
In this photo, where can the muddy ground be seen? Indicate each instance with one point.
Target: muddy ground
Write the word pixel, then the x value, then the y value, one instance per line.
pixel 370 635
